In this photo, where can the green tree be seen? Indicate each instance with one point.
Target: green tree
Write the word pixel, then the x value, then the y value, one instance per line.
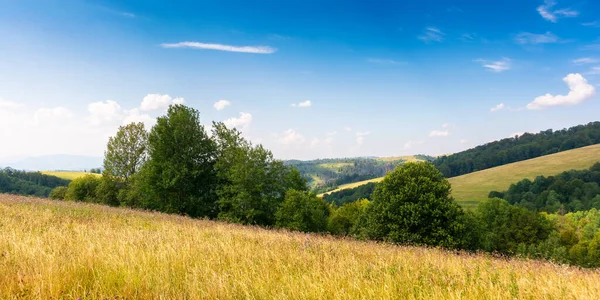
pixel 179 175
pixel 252 184
pixel 58 193
pixel 413 205
pixel 83 189
pixel 346 219
pixel 302 211
pixel 125 154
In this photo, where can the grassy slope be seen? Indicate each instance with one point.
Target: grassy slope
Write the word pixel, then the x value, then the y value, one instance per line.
pixel 68 175
pixel 471 188
pixel 54 249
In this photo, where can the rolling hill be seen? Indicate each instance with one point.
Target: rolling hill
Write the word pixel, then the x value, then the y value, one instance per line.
pixel 471 188
pixel 61 249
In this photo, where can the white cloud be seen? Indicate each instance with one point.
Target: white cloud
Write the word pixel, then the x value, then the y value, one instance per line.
pixel 156 102
pixel 463 141
pixel 314 143
pixel 360 137
pixel 221 104
pixel 240 123
pixel 102 112
pixel 525 38
pixel 584 61
pixel 594 71
pixel 179 101
pixel 547 12
pixel 411 144
pixel 497 107
pixel 439 133
pixel 306 103
pixel 51 115
pixel 380 61
pixel 591 24
pixel 220 47
pixel 290 136
pixel 579 90
pixel 5 104
pixel 348 128
pixel 431 34
pixel 496 66
pixel 134 116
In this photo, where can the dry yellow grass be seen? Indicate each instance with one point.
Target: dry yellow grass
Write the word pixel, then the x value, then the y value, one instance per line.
pixel 65 250
pixel 67 174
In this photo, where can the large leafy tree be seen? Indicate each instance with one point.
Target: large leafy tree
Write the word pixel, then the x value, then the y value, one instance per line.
pixel 413 205
pixel 125 154
pixel 302 211
pixel 179 175
pixel 252 184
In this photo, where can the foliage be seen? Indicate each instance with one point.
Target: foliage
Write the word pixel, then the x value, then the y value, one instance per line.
pixel 126 152
pixel 252 184
pixel 503 227
pixel 413 205
pixel 350 195
pixel 349 218
pixel 58 193
pixel 179 175
pixel 518 148
pixel 28 183
pixel 567 192
pixel 302 211
pixel 83 189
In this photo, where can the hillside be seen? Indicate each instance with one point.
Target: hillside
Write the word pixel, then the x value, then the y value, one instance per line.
pixel 54 249
pixel 471 188
pixel 69 175
pixel 28 183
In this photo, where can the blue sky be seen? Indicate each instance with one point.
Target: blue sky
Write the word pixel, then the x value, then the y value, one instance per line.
pixel 307 79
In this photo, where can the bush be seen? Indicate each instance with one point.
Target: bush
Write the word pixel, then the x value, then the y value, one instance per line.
pixel 83 189
pixel 413 205
pixel 302 211
pixel 58 193
pixel 346 220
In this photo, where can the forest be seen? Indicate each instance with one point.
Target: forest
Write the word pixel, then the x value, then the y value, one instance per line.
pixel 28 183
pixel 518 148
pixel 572 191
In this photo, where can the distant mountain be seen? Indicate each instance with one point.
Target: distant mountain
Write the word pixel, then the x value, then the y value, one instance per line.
pixel 61 162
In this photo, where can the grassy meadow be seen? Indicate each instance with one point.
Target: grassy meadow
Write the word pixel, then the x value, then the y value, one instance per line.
pixel 70 175
pixel 67 250
pixel 472 188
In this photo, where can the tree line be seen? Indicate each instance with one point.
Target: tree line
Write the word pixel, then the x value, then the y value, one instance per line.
pixel 28 183
pixel 518 148
pixel 571 191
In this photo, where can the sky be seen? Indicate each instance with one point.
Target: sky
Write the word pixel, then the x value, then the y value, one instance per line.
pixel 307 79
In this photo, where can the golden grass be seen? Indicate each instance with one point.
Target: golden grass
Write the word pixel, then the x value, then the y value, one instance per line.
pixel 65 250
pixel 68 175
pixel 470 189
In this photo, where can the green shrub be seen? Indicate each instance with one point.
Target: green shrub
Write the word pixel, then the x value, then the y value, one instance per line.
pixel 58 193
pixel 302 211
pixel 83 189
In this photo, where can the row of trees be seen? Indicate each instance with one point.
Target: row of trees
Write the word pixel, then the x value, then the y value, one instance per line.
pixel 567 192
pixel 518 148
pixel 28 183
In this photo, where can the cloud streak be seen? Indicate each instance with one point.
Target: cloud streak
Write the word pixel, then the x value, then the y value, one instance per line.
pixel 528 38
pixel 304 104
pixel 496 66
pixel 548 12
pixel 432 34
pixel 221 47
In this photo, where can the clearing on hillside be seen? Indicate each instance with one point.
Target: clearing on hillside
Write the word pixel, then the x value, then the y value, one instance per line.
pixel 70 175
pixel 470 189
pixel 58 249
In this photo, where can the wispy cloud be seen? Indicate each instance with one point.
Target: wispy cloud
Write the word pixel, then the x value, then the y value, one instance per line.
pixel 579 91
pixel 584 61
pixel 525 38
pixel 498 107
pixel 432 34
pixel 411 144
pixel 306 103
pixel 593 71
pixel 591 24
pixel 496 66
pixel 548 12
pixel 290 136
pixel 5 104
pixel 240 123
pixel 380 61
pixel 220 47
pixel 360 137
pixel 592 47
pixel 128 15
